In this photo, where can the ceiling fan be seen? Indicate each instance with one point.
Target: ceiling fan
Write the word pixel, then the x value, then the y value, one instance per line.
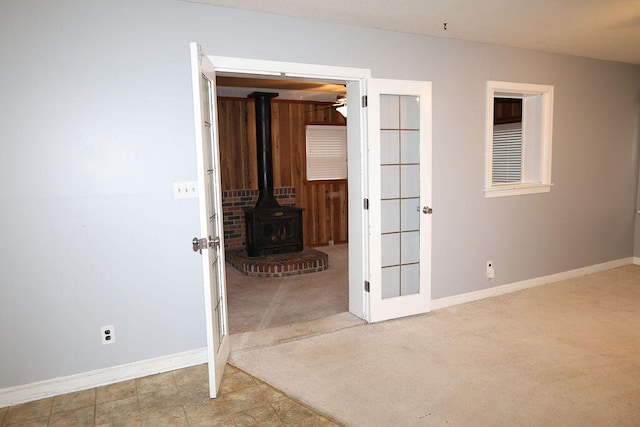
pixel 341 105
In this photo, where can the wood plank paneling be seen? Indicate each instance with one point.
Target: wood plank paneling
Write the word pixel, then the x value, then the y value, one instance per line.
pixel 324 203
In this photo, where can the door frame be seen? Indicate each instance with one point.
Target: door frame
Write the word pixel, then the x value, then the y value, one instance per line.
pixel 355 80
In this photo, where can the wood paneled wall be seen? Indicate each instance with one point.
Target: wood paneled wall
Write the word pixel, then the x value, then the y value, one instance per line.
pixel 324 203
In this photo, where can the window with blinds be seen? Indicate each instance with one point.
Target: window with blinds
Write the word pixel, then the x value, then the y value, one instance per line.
pixel 507 153
pixel 518 139
pixel 326 152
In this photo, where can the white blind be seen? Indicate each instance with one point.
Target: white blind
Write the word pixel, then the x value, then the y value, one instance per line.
pixel 507 153
pixel 326 152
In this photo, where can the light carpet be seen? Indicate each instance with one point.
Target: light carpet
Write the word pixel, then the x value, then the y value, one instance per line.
pixel 256 303
pixel 565 354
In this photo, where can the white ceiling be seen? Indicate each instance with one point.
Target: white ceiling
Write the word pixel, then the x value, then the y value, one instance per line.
pixel 603 29
pixel 240 86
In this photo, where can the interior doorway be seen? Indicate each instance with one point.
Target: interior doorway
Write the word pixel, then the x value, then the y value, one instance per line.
pixel 388 133
pixel 256 303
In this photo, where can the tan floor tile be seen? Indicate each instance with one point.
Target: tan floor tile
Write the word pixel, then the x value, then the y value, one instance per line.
pixel 170 416
pixel 155 382
pixel 157 400
pixel 291 412
pixel 116 391
pixel 76 400
pixel 270 393
pixel 192 374
pixel 205 410
pixel 236 381
pixel 194 392
pixel 263 415
pixel 128 422
pixel 29 411
pixel 75 417
pixel 117 410
pixel 244 399
pixel 316 421
pixel 41 422
pixel 221 421
pixel 229 369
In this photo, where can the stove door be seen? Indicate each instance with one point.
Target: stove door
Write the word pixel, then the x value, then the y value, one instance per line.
pixel 399 184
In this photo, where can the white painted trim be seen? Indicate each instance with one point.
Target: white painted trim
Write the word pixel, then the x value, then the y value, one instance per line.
pixel 542 176
pixel 86 380
pixel 516 189
pixel 530 283
pixel 355 79
pixel 225 64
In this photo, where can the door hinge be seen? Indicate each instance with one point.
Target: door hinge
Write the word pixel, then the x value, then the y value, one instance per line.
pixel 365 101
pixel 366 204
pixel 366 286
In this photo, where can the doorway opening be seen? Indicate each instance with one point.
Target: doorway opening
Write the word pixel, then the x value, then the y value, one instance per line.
pixel 257 303
pixel 389 192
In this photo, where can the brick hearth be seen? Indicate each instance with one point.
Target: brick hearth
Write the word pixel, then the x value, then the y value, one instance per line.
pixel 279 265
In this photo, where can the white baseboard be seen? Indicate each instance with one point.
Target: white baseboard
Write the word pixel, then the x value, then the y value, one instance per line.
pixel 530 283
pixel 86 380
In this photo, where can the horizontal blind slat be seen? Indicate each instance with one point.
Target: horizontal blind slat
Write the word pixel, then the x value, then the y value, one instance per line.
pixel 507 156
pixel 326 152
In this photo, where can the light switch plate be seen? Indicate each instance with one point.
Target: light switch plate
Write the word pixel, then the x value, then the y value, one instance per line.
pixel 185 190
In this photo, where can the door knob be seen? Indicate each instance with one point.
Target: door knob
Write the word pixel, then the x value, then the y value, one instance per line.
pixel 427 210
pixel 199 244
pixel 214 242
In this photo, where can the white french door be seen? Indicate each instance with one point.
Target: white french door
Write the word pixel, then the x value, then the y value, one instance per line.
pixel 211 242
pixel 399 193
pixel 390 165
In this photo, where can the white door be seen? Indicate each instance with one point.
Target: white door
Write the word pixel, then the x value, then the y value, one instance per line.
pixel 211 241
pixel 399 190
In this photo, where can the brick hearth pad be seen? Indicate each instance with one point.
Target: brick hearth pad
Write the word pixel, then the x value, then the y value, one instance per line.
pixel 279 265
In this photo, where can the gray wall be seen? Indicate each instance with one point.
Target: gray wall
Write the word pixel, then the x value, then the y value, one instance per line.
pixel 97 124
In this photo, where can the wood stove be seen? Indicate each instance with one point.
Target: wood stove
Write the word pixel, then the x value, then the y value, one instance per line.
pixel 270 228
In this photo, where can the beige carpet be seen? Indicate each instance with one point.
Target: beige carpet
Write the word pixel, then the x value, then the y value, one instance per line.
pixel 565 354
pixel 256 303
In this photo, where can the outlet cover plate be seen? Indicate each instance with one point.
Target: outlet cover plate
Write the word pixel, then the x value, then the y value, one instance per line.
pixel 107 335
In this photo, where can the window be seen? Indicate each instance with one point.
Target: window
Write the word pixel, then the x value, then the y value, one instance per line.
pixel 518 140
pixel 326 152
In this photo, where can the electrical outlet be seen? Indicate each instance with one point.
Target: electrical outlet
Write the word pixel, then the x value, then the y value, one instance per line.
pixel 107 334
pixel 491 272
pixel 185 190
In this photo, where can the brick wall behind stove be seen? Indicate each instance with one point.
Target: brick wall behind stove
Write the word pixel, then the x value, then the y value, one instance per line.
pixel 233 203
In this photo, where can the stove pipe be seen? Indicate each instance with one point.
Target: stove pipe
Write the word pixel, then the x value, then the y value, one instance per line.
pixel 266 199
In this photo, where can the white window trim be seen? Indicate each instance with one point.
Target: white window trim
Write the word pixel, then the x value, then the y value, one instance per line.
pixel 495 88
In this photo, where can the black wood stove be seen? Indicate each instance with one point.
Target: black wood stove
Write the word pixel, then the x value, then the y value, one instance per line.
pixel 270 228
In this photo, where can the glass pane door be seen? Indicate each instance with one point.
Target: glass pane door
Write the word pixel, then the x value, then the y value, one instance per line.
pixel 399 137
pixel 209 206
pixel 400 194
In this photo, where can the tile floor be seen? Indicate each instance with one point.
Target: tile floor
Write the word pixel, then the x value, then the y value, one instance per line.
pixel 177 398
